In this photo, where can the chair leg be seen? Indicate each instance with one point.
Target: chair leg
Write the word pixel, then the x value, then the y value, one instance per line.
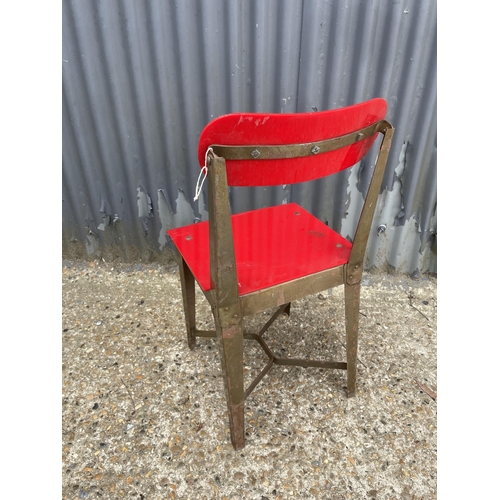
pixel 352 295
pixel 188 299
pixel 287 309
pixel 230 338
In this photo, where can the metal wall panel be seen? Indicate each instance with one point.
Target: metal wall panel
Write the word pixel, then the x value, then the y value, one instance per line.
pixel 142 78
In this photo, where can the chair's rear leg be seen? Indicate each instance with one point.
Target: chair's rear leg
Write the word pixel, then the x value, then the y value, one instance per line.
pixel 230 338
pixel 287 309
pixel 352 293
pixel 188 299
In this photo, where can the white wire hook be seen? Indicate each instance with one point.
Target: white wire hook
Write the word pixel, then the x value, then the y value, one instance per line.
pixel 204 172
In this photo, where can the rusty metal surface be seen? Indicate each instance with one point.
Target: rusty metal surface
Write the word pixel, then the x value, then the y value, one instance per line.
pixel 227 309
pixel 265 152
pixel 272 358
pixel 188 300
pixel 293 290
pixel 351 304
pixel 355 265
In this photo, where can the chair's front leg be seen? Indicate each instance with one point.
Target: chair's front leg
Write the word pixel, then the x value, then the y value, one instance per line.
pixel 188 299
pixel 352 294
pixel 229 328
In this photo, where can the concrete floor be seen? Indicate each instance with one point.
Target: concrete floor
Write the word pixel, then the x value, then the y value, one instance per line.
pixel 144 417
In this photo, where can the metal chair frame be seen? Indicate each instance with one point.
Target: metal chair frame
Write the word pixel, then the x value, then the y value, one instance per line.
pixel 229 308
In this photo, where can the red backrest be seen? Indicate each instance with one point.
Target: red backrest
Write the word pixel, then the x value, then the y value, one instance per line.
pixel 244 129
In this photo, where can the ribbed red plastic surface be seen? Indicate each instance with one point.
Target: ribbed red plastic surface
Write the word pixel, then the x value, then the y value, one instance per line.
pixel 272 246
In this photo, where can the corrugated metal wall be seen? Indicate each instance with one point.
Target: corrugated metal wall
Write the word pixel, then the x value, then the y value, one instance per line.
pixel 142 78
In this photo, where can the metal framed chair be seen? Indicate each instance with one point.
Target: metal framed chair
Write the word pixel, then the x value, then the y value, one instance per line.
pixel 261 259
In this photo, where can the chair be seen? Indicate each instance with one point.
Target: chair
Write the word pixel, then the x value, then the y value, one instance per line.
pixel 252 261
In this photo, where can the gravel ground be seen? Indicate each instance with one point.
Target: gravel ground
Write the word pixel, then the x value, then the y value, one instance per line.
pixel 144 417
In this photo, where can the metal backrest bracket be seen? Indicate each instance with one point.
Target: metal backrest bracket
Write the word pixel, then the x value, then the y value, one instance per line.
pixel 288 151
pixel 355 264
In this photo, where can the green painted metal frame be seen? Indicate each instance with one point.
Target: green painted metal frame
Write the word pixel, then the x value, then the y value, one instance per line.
pixel 229 308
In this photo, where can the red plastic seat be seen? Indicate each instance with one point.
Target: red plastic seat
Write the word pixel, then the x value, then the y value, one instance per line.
pixel 268 257
pixel 271 245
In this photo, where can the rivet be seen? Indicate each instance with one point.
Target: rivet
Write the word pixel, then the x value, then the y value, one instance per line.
pixel 359 136
pixel 189 237
pixel 315 150
pixel 339 245
pixel 226 308
pixel 297 213
pixel 255 153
